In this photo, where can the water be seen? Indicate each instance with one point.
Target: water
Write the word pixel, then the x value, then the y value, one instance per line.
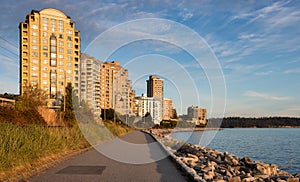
pixel 270 145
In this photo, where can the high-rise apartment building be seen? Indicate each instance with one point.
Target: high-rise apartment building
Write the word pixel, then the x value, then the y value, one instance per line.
pixel 49 53
pixel 116 89
pixel 149 105
pixel 90 82
pixel 168 109
pixel 155 87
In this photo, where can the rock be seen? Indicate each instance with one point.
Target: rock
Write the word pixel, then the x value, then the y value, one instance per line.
pixel 249 179
pixel 292 180
pixel 208 176
pixel 234 179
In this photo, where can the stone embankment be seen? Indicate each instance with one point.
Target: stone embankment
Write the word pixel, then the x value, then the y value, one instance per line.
pixel 205 164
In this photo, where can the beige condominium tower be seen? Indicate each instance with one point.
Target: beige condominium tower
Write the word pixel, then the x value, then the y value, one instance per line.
pixel 49 53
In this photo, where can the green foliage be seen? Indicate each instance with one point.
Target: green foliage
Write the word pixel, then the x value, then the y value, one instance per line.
pixel 110 114
pixel 265 122
pixel 32 97
pixel 67 106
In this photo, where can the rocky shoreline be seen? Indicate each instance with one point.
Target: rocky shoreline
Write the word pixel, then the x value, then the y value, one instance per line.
pixel 206 164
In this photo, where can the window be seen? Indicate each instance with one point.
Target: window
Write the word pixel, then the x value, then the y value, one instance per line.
pixel 69 58
pixel 34 61
pixel 45 41
pixel 34 54
pixel 45 68
pixel 45 48
pixel 53 42
pixel 69 38
pixel 45 54
pixel 69 78
pixel 61 43
pixel 34 68
pixel 34 40
pixel 53 25
pixel 61 63
pixel 61 70
pixel 69 64
pixel 61 36
pixel 45 34
pixel 45 75
pixel 61 50
pixel 60 26
pixel 69 71
pixel 45 61
pixel 34 33
pixel 61 76
pixel 69 51
pixel 34 82
pixel 45 82
pixel 34 47
pixel 34 75
pixel 53 63
pixel 69 32
pixel 53 49
pixel 70 45
pixel 53 55
pixel 60 56
pixel 45 23
pixel 34 26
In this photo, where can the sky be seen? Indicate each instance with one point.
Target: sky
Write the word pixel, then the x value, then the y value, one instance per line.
pixel 255 45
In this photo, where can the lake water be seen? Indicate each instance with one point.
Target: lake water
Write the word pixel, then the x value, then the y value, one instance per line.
pixel 270 145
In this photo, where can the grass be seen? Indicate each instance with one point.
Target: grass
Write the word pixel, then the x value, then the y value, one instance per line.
pixel 23 149
pixel 25 146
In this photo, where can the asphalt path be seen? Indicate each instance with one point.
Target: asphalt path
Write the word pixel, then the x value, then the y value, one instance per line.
pixel 133 157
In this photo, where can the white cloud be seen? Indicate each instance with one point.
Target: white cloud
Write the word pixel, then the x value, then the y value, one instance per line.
pixel 263 73
pixel 292 71
pixel 265 96
pixel 294 108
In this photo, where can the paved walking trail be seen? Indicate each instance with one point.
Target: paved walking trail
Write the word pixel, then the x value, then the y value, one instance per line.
pixel 94 166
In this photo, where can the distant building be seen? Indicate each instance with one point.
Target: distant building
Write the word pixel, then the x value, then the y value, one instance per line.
pixel 90 82
pixel 197 115
pixel 49 53
pixel 155 87
pixel 168 109
pixel 150 105
pixel 115 88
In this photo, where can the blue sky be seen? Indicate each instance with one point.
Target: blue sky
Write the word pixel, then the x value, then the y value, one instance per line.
pixel 257 44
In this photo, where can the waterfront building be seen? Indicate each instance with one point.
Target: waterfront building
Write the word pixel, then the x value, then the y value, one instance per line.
pixel 49 54
pixel 168 109
pixel 149 105
pixel 115 88
pixel 155 89
pixel 197 115
pixel 90 82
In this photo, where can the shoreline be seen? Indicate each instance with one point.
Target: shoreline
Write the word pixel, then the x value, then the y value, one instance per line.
pixel 205 164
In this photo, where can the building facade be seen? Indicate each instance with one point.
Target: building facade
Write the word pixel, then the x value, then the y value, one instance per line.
pixel 197 114
pixel 115 88
pixel 150 105
pixel 90 82
pixel 49 53
pixel 155 87
pixel 168 109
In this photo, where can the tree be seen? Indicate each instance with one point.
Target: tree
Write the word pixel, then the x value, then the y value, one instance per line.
pixel 174 114
pixel 67 106
pixel 32 97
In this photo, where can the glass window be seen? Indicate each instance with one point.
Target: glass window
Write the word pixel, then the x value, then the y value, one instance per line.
pixel 45 75
pixel 45 82
pixel 61 56
pixel 34 75
pixel 53 49
pixel 34 33
pixel 69 44
pixel 53 55
pixel 69 64
pixel 34 26
pixel 45 47
pixel 45 23
pixel 69 51
pixel 69 58
pixel 34 47
pixel 61 43
pixel 69 38
pixel 45 54
pixel 61 49
pixel 45 34
pixel 60 26
pixel 34 54
pixel 34 40
pixel 45 61
pixel 69 71
pixel 53 25
pixel 61 63
pixel 34 68
pixel 45 68
pixel 69 31
pixel 34 61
